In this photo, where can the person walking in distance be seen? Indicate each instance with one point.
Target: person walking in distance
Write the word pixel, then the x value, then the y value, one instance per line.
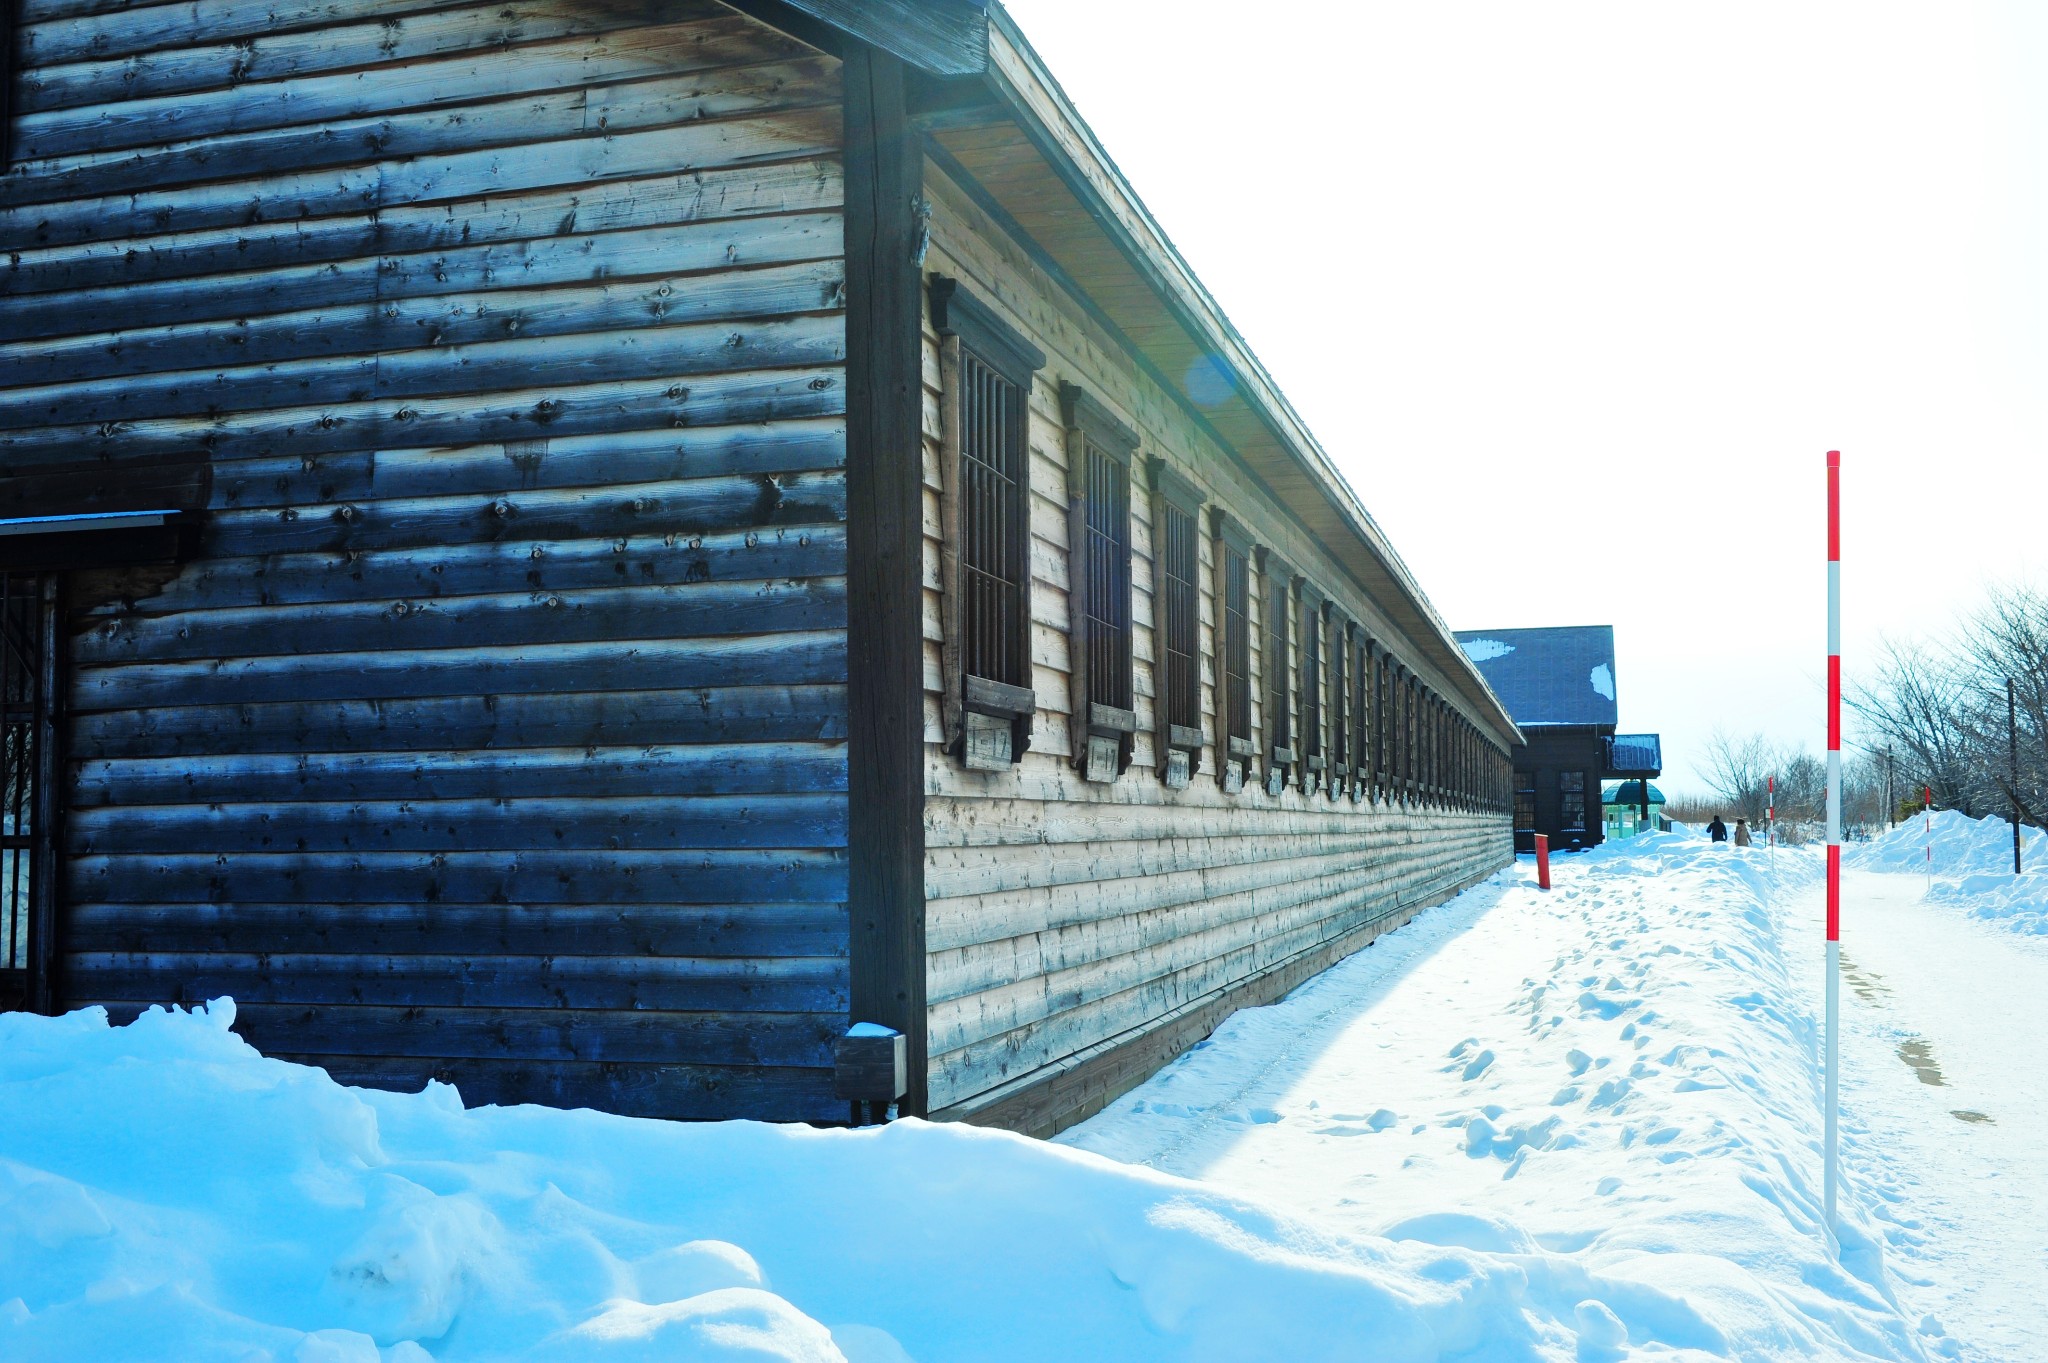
pixel 1742 832
pixel 1717 830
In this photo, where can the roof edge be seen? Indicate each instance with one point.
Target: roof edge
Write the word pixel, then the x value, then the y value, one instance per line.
pixel 1019 74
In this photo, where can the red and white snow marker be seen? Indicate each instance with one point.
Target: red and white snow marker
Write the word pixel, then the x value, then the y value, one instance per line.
pixel 1834 928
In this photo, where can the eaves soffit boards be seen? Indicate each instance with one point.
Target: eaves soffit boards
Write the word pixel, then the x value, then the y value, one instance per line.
pixel 1020 138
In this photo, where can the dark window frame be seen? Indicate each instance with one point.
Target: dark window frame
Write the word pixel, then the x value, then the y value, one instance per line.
pixel 1339 665
pixel 1177 617
pixel 1235 619
pixel 1276 597
pixel 1101 622
pixel 1361 715
pixel 973 337
pixel 1516 799
pixel 1310 683
pixel 1565 794
pixel 1382 730
pixel 31 767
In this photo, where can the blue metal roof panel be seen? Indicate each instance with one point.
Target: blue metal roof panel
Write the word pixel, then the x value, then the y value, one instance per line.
pixel 1562 675
pixel 1637 752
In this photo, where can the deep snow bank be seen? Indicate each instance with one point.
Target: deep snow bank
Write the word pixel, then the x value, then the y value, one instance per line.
pixel 168 1193
pixel 1972 866
pixel 1962 846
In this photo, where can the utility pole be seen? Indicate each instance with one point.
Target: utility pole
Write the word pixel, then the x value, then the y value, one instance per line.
pixel 2012 768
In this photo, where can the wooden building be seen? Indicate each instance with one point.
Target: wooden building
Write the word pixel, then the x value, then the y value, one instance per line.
pixel 580 547
pixel 1558 683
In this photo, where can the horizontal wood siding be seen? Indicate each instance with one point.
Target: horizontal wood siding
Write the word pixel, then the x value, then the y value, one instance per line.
pixel 497 730
pixel 1081 934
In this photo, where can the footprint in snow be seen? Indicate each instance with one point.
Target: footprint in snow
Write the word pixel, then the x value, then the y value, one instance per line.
pixel 1611 1093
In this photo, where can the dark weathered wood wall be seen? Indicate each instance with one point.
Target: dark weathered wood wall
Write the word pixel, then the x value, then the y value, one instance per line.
pixel 1080 934
pixel 497 730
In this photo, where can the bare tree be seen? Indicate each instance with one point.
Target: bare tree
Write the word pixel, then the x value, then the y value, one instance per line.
pixel 2008 640
pixel 1942 707
pixel 1735 770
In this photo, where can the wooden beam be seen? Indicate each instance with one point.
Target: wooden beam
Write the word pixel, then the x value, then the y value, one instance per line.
pixel 885 507
pixel 941 37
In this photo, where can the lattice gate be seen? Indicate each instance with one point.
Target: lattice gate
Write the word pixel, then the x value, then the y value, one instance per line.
pixel 28 864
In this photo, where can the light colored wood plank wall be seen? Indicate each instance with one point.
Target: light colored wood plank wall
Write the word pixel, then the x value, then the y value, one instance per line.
pixel 1062 915
pixel 497 731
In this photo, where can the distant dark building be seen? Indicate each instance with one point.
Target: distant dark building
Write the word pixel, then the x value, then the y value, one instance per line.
pixel 1559 686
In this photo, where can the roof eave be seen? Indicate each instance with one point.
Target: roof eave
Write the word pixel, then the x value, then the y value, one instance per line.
pixel 1035 100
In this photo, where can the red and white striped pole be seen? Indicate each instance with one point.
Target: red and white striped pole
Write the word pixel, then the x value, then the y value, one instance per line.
pixel 1927 830
pixel 1834 949
pixel 1771 817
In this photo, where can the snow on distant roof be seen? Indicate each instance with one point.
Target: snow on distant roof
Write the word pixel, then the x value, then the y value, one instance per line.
pixel 1563 675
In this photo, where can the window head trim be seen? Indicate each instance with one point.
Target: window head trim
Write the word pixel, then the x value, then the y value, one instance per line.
pixel 1079 411
pixel 1000 346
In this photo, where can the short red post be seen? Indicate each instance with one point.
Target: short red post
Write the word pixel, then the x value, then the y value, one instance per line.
pixel 1542 861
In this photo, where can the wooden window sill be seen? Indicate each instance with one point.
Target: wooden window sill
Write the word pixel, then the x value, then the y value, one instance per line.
pixel 1111 722
pixel 985 697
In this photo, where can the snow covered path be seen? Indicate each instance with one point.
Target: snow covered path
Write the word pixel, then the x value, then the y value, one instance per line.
pixel 1616 1080
pixel 1943 1016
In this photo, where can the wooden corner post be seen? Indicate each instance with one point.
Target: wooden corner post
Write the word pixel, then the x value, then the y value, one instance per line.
pixel 884 556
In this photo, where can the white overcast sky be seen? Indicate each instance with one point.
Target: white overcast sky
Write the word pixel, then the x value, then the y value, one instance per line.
pixel 1579 295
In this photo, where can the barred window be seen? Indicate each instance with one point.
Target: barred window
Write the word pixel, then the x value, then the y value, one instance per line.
pixel 1340 704
pixel 1105 596
pixel 1177 609
pixel 994 564
pixel 1237 644
pixel 1099 449
pixel 985 381
pixel 1234 625
pixel 1361 717
pixel 1277 583
pixel 1177 571
pixel 1311 683
pixel 1382 725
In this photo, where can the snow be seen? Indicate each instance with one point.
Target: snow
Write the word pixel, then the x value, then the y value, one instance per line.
pixel 1612 1086
pixel 1581 1125
pixel 1946 1120
pixel 1486 650
pixel 1962 846
pixel 166 1192
pixel 1602 679
pixel 871 1029
pixel 1972 867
